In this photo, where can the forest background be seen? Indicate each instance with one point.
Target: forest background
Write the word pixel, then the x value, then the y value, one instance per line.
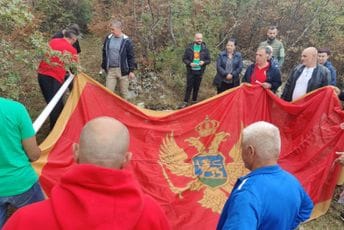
pixel 161 29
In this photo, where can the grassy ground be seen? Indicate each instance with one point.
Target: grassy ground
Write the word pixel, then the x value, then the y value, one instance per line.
pixel 90 60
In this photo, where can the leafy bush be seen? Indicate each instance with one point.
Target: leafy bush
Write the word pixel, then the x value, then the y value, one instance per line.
pixel 20 47
pixel 56 14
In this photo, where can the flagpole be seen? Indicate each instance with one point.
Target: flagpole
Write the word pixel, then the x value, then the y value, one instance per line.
pixel 47 110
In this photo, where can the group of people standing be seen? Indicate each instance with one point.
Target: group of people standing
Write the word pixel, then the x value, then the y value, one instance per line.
pixel 118 62
pixel 315 70
pixel 85 196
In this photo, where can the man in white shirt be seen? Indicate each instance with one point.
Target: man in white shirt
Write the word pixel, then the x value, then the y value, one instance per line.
pixel 306 76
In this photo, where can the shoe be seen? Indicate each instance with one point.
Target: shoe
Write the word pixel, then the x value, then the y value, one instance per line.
pixel 342 216
pixel 183 105
pixel 193 102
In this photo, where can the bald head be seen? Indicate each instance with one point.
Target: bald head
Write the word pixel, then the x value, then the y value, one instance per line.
pixel 309 57
pixel 198 38
pixel 104 141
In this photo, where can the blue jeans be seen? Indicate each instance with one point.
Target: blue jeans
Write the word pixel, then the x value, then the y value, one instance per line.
pixel 32 195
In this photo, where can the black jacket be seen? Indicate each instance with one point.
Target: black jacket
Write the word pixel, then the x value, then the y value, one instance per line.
pixel 273 76
pixel 221 68
pixel 189 56
pixel 320 77
pixel 126 55
pixel 341 96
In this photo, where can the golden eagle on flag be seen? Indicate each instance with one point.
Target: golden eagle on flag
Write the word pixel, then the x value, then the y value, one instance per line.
pixel 207 168
pixel 188 160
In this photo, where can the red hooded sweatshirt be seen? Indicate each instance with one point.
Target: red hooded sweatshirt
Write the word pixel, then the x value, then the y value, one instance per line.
pixel 92 197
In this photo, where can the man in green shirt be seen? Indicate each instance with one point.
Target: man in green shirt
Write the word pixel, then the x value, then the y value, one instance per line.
pixel 196 57
pixel 278 52
pixel 18 148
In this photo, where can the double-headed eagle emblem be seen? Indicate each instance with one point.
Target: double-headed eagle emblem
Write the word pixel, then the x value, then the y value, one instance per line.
pixel 207 169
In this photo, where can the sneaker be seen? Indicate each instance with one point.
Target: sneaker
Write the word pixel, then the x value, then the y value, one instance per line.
pixel 193 102
pixel 183 105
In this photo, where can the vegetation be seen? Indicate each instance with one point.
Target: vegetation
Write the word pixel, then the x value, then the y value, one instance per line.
pixel 161 29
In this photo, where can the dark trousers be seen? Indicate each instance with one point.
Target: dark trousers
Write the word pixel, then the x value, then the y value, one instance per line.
pixel 49 87
pixel 193 81
pixel 224 86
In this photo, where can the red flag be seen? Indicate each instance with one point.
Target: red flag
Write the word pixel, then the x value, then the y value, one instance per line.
pixel 189 160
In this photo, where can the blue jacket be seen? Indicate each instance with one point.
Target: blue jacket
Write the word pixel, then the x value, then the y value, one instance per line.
pixel 267 198
pixel 221 68
pixel 273 76
pixel 333 73
pixel 126 55
pixel 320 77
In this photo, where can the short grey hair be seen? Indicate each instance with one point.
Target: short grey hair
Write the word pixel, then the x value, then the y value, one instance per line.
pixel 265 139
pixel 116 24
pixel 267 49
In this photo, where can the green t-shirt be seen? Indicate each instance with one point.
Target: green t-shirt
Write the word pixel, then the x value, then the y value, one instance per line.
pixel 196 60
pixel 16 173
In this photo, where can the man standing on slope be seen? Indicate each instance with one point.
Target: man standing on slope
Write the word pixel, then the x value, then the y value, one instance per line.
pixel 118 59
pixel 196 57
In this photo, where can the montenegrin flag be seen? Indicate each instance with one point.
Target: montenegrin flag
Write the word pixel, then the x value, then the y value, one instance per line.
pixel 188 160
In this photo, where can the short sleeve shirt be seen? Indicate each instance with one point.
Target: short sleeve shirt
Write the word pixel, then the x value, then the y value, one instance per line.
pixel 16 173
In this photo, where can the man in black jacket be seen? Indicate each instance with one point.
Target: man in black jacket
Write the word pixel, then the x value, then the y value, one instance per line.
pixel 118 59
pixel 196 57
pixel 306 77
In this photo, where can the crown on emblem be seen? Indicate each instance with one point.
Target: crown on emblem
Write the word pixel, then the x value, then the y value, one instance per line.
pixel 207 127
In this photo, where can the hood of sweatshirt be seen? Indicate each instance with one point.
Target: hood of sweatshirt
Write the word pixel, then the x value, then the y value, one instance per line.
pixel 92 197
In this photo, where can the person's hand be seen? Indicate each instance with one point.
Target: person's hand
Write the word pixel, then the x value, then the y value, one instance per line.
pixel 340 158
pixel 201 63
pixel 193 64
pixel 229 76
pixel 336 90
pixel 266 85
pixel 131 75
pixel 101 72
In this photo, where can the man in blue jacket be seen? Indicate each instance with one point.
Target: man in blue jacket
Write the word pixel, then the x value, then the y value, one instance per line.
pixel 323 56
pixel 268 197
pixel 118 59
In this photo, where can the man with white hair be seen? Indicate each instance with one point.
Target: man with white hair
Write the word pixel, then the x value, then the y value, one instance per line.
pixel 257 199
pixel 306 77
pixel 96 193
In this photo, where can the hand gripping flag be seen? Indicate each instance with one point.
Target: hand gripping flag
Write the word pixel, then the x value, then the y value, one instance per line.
pixel 189 160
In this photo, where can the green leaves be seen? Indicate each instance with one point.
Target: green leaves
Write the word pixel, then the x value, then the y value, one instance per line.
pixel 13 15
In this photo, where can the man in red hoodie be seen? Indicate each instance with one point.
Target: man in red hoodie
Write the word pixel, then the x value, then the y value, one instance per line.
pixel 96 193
pixel 52 72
